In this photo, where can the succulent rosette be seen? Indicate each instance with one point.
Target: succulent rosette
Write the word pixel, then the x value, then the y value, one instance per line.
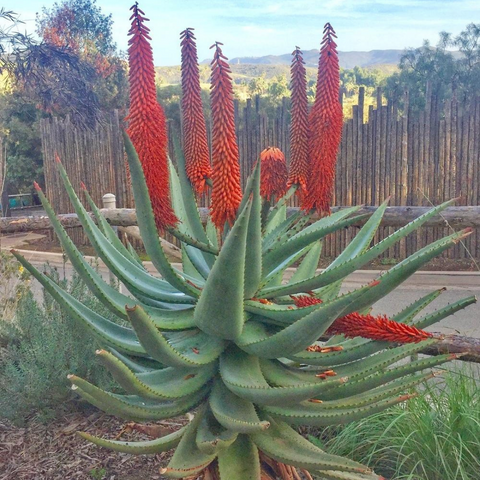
pixel 249 344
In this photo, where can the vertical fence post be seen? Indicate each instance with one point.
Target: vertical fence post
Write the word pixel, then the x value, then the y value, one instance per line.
pixel 109 201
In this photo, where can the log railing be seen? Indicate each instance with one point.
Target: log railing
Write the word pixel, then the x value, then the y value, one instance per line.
pixel 455 217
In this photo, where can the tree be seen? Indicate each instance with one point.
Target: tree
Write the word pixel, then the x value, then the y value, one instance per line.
pixel 80 27
pixel 258 86
pixel 278 88
pixel 19 127
pixel 75 52
pixel 444 70
pixel 468 65
pixel 38 68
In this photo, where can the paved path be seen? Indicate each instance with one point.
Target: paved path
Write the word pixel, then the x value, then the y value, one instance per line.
pixel 18 240
pixel 458 285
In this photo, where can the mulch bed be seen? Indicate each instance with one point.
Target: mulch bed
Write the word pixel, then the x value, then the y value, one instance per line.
pixel 52 451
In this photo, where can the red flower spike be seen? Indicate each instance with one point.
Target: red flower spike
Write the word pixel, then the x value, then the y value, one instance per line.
pixel 325 128
pixel 226 192
pixel 305 301
pixel 197 156
pixel 37 187
pixel 377 328
pixel 274 174
pixel 368 326
pixel 299 171
pixel 146 121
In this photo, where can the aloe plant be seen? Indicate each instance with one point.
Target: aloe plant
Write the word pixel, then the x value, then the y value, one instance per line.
pixel 224 338
pixel 229 336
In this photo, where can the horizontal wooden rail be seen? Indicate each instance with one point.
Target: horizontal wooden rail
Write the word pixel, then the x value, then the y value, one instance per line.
pixel 467 348
pixel 456 217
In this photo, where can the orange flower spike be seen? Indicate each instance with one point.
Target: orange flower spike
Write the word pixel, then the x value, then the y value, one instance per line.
pixel 274 173
pixel 299 171
pixel 226 191
pixel 146 121
pixel 367 326
pixel 377 328
pixel 195 146
pixel 305 301
pixel 325 128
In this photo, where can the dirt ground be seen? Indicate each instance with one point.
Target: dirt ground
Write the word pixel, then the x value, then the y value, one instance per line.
pixel 54 452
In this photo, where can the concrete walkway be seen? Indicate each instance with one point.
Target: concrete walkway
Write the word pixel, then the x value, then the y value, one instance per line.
pixel 458 285
pixel 18 240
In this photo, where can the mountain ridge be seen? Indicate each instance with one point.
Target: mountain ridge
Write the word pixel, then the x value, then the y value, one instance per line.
pixel 347 60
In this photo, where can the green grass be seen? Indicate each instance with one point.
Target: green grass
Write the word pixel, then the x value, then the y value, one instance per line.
pixel 435 436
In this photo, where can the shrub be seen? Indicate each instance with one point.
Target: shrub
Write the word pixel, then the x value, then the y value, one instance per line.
pixel 43 345
pixel 13 285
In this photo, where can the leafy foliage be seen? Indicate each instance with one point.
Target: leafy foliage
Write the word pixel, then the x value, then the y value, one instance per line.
pixel 13 286
pixel 446 71
pixel 76 52
pixel 80 27
pixel 38 68
pixel 19 123
pixel 42 345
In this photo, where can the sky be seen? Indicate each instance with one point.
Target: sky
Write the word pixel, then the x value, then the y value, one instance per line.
pixel 263 27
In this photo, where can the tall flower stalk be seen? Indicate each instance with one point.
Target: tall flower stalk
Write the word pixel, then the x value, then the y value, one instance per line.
pixel 273 179
pixel 299 125
pixel 226 192
pixel 325 128
pixel 197 156
pixel 146 121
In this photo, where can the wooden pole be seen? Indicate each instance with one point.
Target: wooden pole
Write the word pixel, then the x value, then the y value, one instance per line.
pixel 467 348
pixel 456 217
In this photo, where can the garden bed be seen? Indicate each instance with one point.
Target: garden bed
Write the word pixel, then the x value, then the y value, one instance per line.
pixel 52 451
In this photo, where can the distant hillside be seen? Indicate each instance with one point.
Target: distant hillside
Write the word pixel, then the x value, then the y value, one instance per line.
pixel 244 72
pixel 347 59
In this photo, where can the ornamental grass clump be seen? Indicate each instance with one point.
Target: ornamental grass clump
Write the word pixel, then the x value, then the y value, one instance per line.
pixel 432 437
pixel 222 336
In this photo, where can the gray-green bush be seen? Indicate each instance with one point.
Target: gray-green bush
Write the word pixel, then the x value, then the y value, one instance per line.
pixel 42 344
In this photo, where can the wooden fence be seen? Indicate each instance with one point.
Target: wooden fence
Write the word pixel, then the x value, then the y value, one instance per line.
pixel 417 158
pixel 95 158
